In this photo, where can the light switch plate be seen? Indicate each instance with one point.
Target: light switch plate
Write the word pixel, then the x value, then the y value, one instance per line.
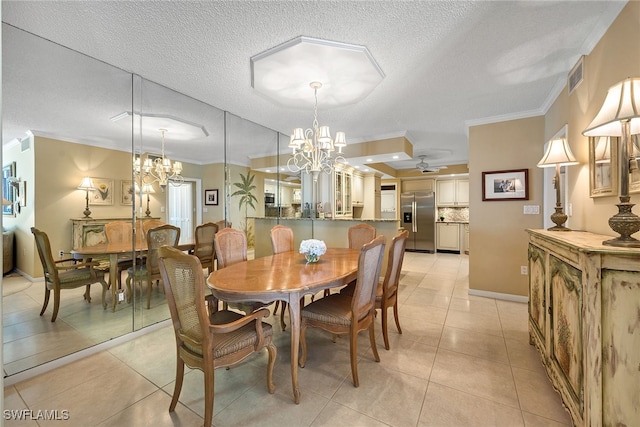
pixel 531 209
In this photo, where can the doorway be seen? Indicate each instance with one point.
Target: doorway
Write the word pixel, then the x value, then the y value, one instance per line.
pixel 182 208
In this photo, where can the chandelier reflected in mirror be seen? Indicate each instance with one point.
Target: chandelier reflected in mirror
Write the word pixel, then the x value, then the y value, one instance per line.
pixel 314 148
pixel 159 169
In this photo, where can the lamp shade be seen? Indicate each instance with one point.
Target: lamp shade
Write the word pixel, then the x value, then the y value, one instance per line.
pixel 622 103
pixel 5 202
pixel 148 189
pixel 86 184
pixel 558 153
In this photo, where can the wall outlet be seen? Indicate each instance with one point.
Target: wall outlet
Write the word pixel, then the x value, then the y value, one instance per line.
pixel 120 296
pixel 60 253
pixel 524 270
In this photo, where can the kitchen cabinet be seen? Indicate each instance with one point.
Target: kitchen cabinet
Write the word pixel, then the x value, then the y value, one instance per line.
pixel 452 192
pixel 342 193
pixel 358 190
pixel 584 300
pixel 372 196
pixel 448 236
pixel 466 238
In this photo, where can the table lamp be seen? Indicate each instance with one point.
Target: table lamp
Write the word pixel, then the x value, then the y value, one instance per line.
pixel 87 185
pixel 620 116
pixel 558 154
pixel 147 189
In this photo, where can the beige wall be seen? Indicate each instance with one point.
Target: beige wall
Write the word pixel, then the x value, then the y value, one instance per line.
pixel 497 228
pixel 22 222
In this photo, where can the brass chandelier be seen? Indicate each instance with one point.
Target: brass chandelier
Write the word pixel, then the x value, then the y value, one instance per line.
pixel 159 170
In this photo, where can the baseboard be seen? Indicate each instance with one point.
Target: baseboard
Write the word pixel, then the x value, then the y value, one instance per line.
pixel 46 367
pixel 498 295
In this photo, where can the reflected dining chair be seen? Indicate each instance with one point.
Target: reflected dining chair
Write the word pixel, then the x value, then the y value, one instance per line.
pixel 204 248
pixel 387 293
pixel 121 232
pixel 151 223
pixel 206 341
pixel 165 235
pixel 281 241
pixel 58 276
pixel 349 314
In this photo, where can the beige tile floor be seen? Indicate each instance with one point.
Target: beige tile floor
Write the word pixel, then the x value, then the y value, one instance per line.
pixel 461 361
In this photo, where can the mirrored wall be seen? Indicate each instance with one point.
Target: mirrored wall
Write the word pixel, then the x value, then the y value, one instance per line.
pixel 67 116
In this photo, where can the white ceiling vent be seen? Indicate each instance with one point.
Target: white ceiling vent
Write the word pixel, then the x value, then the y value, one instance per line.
pixel 576 75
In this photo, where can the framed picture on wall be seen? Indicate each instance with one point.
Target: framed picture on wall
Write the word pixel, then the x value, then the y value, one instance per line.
pixel 634 175
pixel 505 185
pixel 103 194
pixel 8 172
pixel 603 166
pixel 127 192
pixel 211 197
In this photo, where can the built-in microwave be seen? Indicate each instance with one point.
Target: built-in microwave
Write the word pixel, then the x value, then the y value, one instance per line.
pixel 269 199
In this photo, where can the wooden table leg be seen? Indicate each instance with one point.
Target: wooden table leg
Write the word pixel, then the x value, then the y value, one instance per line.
pixel 294 317
pixel 113 282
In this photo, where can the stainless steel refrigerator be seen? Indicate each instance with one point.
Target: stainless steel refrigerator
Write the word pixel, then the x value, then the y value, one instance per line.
pixel 418 212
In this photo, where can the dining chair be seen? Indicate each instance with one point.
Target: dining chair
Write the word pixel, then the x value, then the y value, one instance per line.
pixel 281 241
pixel 165 235
pixel 151 223
pixel 204 248
pixel 207 341
pixel 223 224
pixel 360 234
pixel 387 292
pixel 342 314
pixel 231 248
pixel 58 276
pixel 121 232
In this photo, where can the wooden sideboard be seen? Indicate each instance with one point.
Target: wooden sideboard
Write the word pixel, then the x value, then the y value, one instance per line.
pixel 584 318
pixel 90 231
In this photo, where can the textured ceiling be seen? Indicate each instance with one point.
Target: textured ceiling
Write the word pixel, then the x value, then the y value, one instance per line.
pixel 448 64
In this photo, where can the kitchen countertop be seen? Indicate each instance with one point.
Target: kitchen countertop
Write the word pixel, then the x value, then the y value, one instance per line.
pixel 327 219
pixel 454 222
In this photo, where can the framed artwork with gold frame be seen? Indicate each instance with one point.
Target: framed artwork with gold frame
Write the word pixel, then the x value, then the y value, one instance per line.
pixel 603 166
pixel 634 174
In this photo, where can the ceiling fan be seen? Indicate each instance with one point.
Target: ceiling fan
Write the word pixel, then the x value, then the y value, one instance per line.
pixel 424 167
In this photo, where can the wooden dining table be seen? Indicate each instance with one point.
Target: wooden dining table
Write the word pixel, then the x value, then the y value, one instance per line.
pixel 285 277
pixel 114 251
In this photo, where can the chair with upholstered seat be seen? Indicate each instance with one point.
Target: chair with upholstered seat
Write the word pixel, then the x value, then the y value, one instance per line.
pixel 360 234
pixel 349 314
pixel 231 248
pixel 151 223
pixel 208 341
pixel 121 232
pixel 387 293
pixel 204 248
pixel 281 241
pixel 58 276
pixel 165 235
pixel 223 224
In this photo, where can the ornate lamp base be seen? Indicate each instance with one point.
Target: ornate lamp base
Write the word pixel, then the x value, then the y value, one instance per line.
pixel 624 223
pixel 559 218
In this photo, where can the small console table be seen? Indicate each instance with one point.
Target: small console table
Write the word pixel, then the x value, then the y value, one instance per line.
pixel 90 231
pixel 584 318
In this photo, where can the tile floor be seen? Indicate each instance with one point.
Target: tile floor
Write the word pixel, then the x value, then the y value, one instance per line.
pixel 461 361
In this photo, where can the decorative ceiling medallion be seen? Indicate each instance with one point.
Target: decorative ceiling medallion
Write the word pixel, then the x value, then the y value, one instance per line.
pixel 348 72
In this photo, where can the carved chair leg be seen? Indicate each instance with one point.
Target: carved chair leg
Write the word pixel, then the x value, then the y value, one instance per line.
pixel 353 353
pixel 395 315
pixel 56 304
pixel 273 351
pixel 303 343
pixel 372 340
pixel 177 387
pixel 385 331
pixel 47 292
pixel 208 395
pixel 87 293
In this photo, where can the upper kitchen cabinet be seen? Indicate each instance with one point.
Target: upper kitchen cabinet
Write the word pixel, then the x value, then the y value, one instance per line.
pixel 342 193
pixel 452 192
